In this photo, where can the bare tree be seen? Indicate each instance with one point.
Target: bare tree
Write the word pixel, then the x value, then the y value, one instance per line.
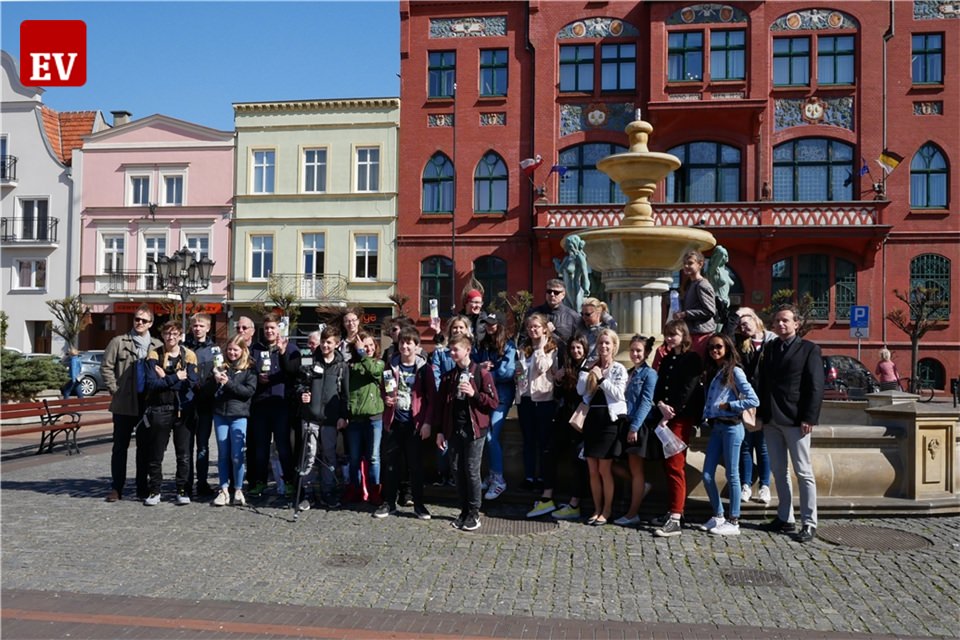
pixel 804 304
pixel 71 317
pixel 925 310
pixel 282 297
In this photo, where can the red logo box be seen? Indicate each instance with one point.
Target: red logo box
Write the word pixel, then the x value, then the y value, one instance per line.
pixel 53 53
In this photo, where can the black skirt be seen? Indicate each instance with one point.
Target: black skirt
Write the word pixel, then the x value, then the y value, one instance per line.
pixel 601 436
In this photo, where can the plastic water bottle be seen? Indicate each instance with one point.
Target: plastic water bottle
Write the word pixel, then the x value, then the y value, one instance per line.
pixel 389 382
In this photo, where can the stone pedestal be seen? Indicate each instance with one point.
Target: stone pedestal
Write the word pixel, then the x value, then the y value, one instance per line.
pixel 635 297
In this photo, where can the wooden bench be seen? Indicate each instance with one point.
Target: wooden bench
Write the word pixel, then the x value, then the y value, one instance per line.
pixel 51 418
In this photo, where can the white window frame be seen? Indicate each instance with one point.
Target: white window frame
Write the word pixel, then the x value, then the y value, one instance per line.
pixel 22 216
pixel 148 255
pixel 366 167
pixel 251 251
pixel 261 189
pixel 16 281
pixel 164 176
pixel 305 165
pixel 365 251
pixel 103 251
pixel 132 177
pixel 304 249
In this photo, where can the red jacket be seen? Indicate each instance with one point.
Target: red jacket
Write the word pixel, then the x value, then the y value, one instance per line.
pixel 422 396
pixel 481 405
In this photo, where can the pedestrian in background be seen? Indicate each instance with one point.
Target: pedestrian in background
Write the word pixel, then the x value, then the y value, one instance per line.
pixel 74 369
pixel 887 372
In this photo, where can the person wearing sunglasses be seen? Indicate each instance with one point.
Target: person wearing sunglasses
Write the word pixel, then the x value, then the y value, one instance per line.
pixel 121 359
pixel 562 319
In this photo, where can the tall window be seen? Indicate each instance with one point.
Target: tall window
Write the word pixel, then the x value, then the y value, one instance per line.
pixel 436 282
pixel 493 72
pixel 261 257
pixel 140 190
pixel 576 68
pixel 728 52
pixel 153 248
pixel 491 272
pixel 314 245
pixel 113 254
pixel 365 256
pixel 812 169
pixel 264 167
pixel 845 287
pixel 791 62
pixel 928 178
pixel 685 56
pixel 442 72
pixel 438 185
pixel 932 271
pixel 35 221
pixel 835 60
pixel 314 170
pixel 813 278
pixel 490 185
pixel 583 183
pixel 618 67
pixel 29 274
pixel 815 274
pixel 927 57
pixel 368 168
pixel 199 243
pixel 710 173
pixel 173 191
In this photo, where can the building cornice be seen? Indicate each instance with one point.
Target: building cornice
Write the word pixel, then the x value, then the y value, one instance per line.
pixel 316 105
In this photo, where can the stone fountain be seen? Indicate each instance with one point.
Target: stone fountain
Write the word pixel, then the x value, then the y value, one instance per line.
pixel 638 258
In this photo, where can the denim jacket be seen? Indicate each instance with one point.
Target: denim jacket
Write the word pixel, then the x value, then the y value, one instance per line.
pixel 741 398
pixel 643 380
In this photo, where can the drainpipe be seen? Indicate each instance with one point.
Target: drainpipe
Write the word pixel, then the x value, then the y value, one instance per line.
pixel 453 217
pixel 887 37
pixel 533 138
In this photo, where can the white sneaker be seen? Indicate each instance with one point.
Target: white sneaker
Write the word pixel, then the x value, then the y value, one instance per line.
pixel 764 495
pixel 152 500
pixel 726 529
pixel 745 493
pixel 238 499
pixel 712 523
pixel 222 499
pixel 182 499
pixel 497 487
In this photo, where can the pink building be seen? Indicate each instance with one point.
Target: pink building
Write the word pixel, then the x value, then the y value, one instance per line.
pixel 147 188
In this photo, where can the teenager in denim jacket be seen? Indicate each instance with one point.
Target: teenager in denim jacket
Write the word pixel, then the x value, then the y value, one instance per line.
pixel 643 380
pixel 498 354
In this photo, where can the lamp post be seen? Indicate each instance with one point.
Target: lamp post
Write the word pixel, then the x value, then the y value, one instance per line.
pixel 182 273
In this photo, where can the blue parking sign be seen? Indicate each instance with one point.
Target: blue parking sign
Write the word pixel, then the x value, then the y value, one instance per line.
pixel 859 317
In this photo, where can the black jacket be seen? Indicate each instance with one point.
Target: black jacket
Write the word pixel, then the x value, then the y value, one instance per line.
pixel 329 390
pixel 678 384
pixel 791 383
pixel 232 400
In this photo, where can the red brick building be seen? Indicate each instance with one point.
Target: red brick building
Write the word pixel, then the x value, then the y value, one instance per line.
pixel 779 112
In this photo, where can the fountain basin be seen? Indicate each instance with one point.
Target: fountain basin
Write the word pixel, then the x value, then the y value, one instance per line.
pixel 643 247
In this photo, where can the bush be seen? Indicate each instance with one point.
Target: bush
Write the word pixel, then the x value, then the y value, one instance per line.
pixel 24 378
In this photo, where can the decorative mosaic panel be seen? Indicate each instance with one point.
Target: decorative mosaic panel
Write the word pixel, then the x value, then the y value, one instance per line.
pixel 736 95
pixel 701 13
pixel 484 26
pixel 928 108
pixel 598 28
pixel 837 112
pixel 684 97
pixel 585 117
pixel 814 19
pixel 935 10
pixel 493 119
pixel 439 119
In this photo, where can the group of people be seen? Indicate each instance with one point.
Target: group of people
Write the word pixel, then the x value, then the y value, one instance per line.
pixel 579 409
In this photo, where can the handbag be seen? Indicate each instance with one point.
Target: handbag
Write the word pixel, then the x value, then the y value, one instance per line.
pixel 579 416
pixel 749 419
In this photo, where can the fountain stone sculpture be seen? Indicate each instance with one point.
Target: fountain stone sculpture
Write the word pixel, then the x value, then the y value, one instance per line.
pixel 638 258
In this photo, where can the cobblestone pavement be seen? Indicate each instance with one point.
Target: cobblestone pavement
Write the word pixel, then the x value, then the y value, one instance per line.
pixel 59 534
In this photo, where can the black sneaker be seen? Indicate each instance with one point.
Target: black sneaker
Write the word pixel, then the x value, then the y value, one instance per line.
pixel 669 529
pixel 458 521
pixel 658 521
pixel 779 526
pixel 384 510
pixel 421 512
pixel 472 523
pixel 807 533
pixel 304 505
pixel 406 501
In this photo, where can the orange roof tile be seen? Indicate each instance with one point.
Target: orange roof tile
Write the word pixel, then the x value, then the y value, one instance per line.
pixel 51 124
pixel 65 130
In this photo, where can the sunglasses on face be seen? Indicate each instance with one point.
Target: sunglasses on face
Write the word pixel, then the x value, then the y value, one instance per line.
pixel 141 321
pixel 716 347
pixel 554 292
pixel 241 327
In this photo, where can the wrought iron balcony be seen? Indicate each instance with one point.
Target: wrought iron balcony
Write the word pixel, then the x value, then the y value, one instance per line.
pixel 133 282
pixel 41 230
pixel 8 169
pixel 330 288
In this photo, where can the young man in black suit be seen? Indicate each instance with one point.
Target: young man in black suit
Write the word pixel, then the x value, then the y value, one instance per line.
pixel 791 391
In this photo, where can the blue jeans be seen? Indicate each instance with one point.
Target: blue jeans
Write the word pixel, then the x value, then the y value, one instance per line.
pixel 754 441
pixel 231 450
pixel 363 440
pixel 497 420
pixel 725 441
pixel 536 425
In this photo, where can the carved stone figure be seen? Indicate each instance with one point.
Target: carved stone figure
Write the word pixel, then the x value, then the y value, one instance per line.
pixel 574 271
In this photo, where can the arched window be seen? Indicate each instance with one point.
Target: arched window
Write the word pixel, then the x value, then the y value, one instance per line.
pixel 928 178
pixel 813 273
pixel 491 272
pixel 710 173
pixel 932 271
pixel 490 185
pixel 931 372
pixel 436 281
pixel 812 169
pixel 583 183
pixel 438 185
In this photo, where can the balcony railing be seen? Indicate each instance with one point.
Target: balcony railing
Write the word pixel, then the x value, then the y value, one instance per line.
pixel 329 288
pixel 141 282
pixel 29 230
pixel 718 214
pixel 8 169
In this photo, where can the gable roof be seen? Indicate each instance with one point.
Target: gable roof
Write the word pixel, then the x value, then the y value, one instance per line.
pixel 65 130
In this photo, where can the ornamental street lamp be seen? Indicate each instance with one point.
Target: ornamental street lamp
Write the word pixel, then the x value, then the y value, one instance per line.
pixel 182 273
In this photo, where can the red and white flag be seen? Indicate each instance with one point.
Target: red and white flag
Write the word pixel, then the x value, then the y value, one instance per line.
pixel 530 165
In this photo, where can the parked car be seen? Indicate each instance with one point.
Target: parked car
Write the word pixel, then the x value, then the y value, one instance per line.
pixel 847 378
pixel 91 380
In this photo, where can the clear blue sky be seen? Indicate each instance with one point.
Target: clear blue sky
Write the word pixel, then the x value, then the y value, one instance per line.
pixel 192 60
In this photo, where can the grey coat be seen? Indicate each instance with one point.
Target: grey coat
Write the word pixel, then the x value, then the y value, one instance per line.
pixel 120 376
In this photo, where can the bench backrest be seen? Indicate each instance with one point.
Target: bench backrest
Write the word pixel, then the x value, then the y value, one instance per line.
pixel 22 410
pixel 78 405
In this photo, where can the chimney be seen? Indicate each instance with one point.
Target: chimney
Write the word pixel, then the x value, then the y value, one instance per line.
pixel 120 117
